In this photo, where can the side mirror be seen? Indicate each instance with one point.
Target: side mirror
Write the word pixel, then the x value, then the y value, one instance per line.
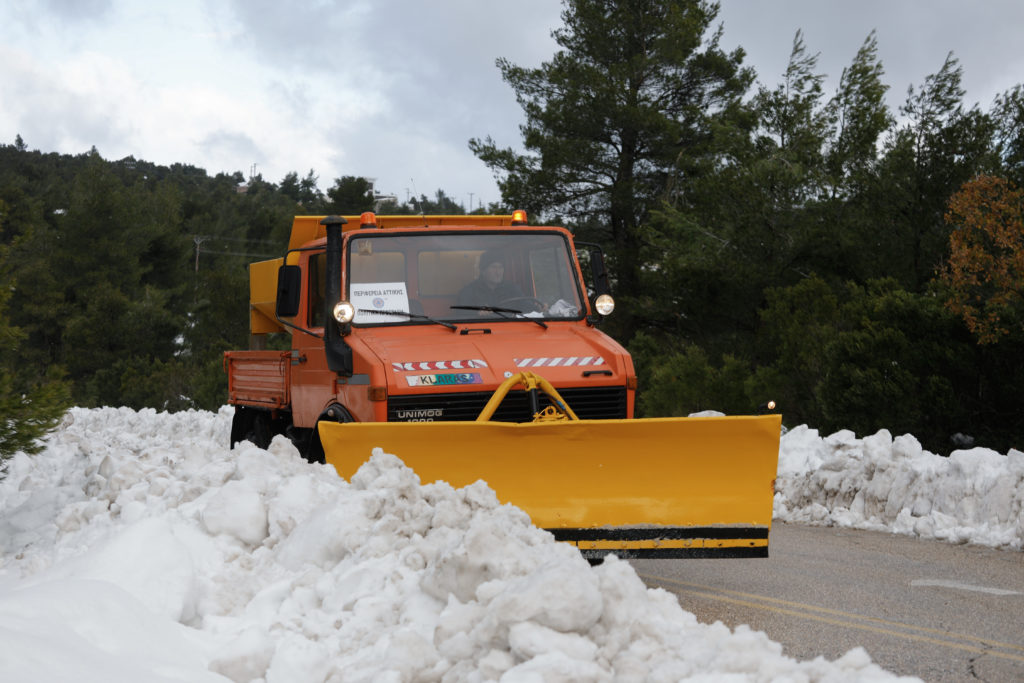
pixel 599 273
pixel 289 288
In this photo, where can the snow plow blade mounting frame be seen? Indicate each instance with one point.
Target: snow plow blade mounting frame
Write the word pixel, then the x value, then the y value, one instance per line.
pixel 650 488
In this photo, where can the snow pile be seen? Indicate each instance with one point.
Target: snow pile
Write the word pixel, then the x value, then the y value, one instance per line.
pixel 138 547
pixel 889 484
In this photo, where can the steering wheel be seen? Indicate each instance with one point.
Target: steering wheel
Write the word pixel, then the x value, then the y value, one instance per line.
pixel 536 304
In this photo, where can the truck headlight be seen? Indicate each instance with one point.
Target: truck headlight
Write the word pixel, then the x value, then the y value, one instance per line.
pixel 344 312
pixel 604 304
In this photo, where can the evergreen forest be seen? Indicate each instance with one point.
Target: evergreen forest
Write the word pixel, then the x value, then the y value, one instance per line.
pixel 863 267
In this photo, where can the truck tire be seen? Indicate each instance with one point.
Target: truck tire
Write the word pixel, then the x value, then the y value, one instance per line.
pixel 303 438
pixel 314 451
pixel 252 425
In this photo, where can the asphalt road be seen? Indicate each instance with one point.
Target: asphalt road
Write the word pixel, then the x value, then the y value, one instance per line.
pixel 930 609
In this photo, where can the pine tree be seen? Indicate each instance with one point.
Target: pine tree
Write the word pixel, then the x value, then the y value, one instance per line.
pixel 629 100
pixel 940 147
pixel 31 403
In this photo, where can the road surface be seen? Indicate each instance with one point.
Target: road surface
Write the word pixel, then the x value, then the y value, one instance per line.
pixel 930 609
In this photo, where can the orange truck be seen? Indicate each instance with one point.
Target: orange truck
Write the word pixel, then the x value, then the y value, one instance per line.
pixel 469 347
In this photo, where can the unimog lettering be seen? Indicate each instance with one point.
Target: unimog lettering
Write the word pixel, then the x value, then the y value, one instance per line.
pixel 420 415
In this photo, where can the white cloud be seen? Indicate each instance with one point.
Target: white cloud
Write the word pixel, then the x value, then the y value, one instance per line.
pixel 61 109
pixel 389 89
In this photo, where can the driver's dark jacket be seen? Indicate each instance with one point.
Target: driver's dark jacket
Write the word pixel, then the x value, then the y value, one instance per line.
pixel 477 293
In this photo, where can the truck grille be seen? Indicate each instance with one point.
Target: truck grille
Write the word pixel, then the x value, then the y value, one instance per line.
pixel 589 403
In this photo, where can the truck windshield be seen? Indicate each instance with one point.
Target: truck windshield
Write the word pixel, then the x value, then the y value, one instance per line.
pixel 461 277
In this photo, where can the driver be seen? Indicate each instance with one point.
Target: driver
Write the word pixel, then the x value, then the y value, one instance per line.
pixel 490 288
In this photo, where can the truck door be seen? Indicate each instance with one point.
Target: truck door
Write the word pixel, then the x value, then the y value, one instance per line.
pixel 312 383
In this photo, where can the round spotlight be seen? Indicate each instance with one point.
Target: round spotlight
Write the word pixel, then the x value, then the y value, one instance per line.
pixel 344 312
pixel 604 304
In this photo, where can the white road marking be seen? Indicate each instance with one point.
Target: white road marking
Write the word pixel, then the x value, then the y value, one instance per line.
pixel 963 586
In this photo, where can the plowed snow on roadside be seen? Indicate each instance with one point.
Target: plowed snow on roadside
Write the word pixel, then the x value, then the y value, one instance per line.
pixel 137 546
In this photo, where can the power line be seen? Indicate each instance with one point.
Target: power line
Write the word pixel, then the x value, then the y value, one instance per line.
pixel 198 241
pixel 237 253
pixel 219 238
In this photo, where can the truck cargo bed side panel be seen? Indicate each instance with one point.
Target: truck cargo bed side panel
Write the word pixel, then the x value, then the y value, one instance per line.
pixel 259 378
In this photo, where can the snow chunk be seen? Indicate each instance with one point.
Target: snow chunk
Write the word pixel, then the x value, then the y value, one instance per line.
pixel 237 510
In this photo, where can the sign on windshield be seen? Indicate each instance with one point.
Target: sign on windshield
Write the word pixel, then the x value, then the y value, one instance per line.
pixel 370 300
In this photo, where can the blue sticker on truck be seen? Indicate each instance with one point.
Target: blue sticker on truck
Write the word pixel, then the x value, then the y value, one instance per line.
pixel 441 380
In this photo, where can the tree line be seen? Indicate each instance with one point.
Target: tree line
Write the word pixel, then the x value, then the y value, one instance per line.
pixel 860 266
pixel 125 281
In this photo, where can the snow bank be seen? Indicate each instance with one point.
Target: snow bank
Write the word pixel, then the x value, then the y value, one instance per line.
pixel 138 547
pixel 888 484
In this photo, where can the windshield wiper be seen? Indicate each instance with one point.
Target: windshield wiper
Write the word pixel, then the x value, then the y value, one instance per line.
pixel 417 316
pixel 499 310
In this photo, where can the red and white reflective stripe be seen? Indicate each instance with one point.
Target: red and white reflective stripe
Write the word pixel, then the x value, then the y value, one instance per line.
pixel 560 361
pixel 438 365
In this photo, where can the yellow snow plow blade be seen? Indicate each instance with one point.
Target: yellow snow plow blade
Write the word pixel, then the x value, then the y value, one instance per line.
pixel 661 487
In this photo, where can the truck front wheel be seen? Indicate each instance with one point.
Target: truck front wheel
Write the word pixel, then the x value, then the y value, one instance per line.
pixel 315 450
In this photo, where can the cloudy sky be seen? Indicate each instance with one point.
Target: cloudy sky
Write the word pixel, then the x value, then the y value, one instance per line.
pixel 392 89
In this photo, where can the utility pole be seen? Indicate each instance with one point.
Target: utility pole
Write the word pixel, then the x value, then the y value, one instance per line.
pixel 198 240
pixel 470 202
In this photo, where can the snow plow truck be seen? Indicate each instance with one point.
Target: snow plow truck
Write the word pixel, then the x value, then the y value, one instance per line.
pixel 469 347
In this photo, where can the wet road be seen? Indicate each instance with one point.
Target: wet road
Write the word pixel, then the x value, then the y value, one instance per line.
pixel 923 608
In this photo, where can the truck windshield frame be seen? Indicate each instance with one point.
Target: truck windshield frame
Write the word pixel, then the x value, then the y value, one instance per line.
pixel 497 276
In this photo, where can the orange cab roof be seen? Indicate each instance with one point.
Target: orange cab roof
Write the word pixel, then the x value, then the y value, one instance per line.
pixel 307 228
